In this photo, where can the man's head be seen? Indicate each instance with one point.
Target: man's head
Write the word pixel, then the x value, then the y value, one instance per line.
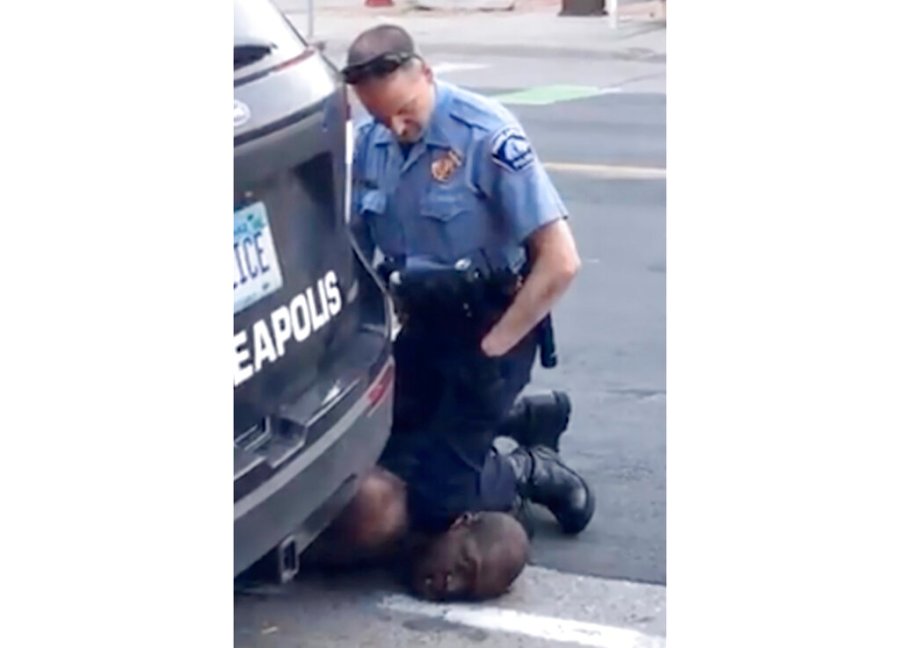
pixel 478 558
pixel 391 80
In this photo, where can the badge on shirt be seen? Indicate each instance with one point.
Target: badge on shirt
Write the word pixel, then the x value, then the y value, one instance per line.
pixel 444 166
pixel 511 149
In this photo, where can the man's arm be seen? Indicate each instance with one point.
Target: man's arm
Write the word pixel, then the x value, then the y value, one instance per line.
pixel 555 262
pixel 524 196
pixel 359 229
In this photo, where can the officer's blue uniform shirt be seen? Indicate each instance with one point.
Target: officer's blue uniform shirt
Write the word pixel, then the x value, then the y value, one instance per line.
pixel 472 182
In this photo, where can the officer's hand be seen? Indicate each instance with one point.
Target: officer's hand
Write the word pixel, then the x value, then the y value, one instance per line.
pixel 493 346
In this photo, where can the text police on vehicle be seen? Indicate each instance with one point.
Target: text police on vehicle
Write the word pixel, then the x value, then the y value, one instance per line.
pixel 257 274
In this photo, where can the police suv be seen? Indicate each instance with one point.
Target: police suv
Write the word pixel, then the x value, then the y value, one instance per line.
pixel 313 374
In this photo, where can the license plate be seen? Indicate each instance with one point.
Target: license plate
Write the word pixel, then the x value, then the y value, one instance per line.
pixel 256 269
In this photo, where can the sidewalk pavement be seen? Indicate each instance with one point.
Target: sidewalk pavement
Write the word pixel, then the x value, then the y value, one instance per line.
pixel 534 28
pixel 626 7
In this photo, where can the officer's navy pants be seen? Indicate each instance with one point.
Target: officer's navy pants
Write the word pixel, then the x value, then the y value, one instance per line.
pixel 449 400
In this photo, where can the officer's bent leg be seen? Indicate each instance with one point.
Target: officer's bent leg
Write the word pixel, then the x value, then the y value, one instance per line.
pixel 418 387
pixel 457 470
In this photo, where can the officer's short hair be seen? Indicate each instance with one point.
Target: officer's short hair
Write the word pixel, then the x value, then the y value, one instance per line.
pixel 378 52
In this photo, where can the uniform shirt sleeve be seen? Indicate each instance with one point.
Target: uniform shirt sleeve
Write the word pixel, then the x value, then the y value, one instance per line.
pixel 516 183
pixel 358 227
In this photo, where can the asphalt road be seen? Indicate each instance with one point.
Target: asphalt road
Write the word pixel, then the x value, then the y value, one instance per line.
pixel 606 155
pixel 611 331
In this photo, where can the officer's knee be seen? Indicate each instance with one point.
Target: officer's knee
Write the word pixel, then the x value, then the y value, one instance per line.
pixel 377 516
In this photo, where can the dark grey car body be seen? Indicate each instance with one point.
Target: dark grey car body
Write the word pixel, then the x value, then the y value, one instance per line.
pixel 313 371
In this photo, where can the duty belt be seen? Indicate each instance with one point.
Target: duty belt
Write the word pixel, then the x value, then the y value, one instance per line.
pixel 462 299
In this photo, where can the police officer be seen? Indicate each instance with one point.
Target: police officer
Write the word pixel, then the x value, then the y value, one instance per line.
pixel 440 175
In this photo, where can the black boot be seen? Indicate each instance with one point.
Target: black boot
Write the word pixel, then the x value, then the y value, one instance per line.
pixel 544 479
pixel 524 515
pixel 538 420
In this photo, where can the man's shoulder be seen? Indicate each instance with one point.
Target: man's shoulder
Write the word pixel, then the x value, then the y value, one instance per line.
pixel 364 128
pixel 478 111
pixel 497 131
pixel 367 134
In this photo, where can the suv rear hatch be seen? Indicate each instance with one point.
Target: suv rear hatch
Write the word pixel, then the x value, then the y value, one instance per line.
pixel 311 327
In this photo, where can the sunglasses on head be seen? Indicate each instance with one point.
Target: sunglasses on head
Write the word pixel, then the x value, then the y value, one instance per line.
pixel 380 66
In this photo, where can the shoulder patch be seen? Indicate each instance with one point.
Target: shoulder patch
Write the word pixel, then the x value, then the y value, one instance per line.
pixel 511 149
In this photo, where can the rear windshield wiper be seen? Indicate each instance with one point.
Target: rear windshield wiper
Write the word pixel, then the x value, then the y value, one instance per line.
pixel 250 52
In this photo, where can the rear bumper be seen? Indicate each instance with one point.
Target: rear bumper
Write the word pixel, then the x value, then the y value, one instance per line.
pixel 303 497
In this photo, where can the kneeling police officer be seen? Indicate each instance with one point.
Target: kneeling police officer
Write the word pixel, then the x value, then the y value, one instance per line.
pixel 476 251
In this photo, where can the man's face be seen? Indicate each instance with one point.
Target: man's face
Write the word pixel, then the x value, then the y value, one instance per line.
pixel 402 101
pixel 447 570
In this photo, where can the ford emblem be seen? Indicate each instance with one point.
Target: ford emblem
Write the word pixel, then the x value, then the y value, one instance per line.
pixel 241 113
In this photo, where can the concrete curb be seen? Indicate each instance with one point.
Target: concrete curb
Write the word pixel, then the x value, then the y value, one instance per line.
pixel 524 51
pixel 465 5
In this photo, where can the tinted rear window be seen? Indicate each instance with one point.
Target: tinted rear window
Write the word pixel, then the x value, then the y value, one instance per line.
pixel 258 24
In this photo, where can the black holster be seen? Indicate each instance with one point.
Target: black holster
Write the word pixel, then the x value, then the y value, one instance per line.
pixel 464 302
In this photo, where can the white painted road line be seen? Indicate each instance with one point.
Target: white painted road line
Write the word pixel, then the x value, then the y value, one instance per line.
pixel 522 623
pixel 444 68
pixel 607 170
